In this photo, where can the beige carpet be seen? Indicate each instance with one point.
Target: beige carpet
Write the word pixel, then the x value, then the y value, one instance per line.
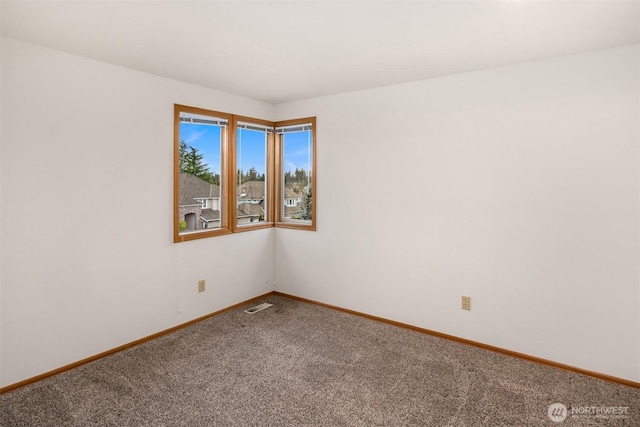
pixel 297 364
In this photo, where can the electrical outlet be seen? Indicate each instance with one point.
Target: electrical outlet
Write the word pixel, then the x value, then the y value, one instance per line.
pixel 201 285
pixel 466 303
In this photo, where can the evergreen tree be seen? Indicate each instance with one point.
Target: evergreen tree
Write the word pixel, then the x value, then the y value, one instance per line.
pixel 191 163
pixel 297 180
pixel 288 179
pixel 307 203
pixel 215 178
pixel 252 175
pixel 183 155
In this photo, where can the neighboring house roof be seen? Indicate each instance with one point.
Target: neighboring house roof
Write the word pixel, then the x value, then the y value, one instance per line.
pixel 250 209
pixel 290 210
pixel 192 187
pixel 254 190
pixel 251 190
pixel 290 194
pixel 209 215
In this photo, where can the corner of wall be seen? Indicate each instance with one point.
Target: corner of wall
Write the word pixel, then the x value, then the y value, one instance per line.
pixel 1 298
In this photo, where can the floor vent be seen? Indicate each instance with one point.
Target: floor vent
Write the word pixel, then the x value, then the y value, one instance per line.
pixel 258 308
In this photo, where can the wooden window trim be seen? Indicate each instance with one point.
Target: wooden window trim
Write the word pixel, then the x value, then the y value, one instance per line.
pixel 228 171
pixel 280 171
pixel 224 173
pixel 270 175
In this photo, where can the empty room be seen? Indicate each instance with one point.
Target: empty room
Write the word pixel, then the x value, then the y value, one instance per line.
pixel 305 213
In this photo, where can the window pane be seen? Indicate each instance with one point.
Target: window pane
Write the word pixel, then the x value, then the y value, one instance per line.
pixel 297 161
pixel 200 167
pixel 251 175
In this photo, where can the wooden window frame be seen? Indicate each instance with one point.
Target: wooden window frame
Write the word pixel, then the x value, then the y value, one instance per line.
pixel 228 171
pixel 279 191
pixel 224 174
pixel 269 172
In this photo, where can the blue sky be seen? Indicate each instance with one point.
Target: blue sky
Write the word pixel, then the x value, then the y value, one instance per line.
pixel 251 146
pixel 206 139
pixel 296 150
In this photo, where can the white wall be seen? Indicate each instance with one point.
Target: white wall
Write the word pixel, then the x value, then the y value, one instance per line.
pixel 1 239
pixel 88 260
pixel 517 186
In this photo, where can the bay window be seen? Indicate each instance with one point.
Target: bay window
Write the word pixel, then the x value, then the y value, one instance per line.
pixel 235 173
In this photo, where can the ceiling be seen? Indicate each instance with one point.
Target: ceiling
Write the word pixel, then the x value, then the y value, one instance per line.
pixel 283 51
